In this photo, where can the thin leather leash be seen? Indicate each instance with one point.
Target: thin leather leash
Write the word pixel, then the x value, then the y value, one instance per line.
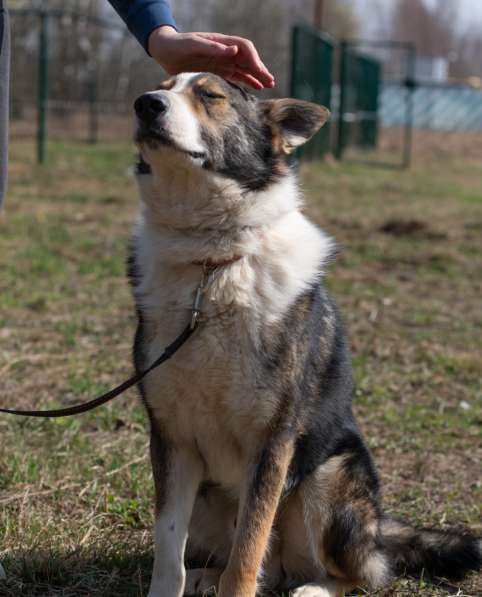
pixel 169 351
pixel 209 270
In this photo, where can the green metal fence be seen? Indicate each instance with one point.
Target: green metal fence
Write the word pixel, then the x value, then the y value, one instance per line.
pixel 360 77
pixel 73 76
pixel 342 79
pixel 311 79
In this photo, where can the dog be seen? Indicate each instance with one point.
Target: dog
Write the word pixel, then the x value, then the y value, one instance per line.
pixel 263 481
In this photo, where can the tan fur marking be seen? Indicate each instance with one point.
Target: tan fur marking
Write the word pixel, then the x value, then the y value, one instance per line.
pixel 333 488
pixel 278 142
pixel 218 110
pixel 214 109
pixel 344 490
pixel 254 529
pixel 167 84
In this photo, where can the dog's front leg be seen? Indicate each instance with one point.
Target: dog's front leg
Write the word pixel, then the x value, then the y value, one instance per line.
pixel 258 504
pixel 177 475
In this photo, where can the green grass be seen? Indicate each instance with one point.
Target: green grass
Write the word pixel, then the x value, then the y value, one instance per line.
pixel 76 494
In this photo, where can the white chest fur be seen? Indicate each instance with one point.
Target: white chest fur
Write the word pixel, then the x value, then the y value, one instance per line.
pixel 213 387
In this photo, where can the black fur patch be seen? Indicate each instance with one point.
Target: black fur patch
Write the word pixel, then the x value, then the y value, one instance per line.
pixel 242 150
pixel 344 537
pixel 142 167
pixel 244 92
pixel 307 358
pixel 436 553
pixel 138 354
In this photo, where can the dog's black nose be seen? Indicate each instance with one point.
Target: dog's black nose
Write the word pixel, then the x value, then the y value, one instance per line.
pixel 148 106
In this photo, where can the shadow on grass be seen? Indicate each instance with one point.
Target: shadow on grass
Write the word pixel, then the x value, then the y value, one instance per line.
pixel 115 571
pixel 120 572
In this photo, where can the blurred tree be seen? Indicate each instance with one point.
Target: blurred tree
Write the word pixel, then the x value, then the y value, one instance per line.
pixel 435 29
pixel 268 24
pixel 340 20
pixel 466 55
pixel 264 23
pixel 87 61
pixel 431 28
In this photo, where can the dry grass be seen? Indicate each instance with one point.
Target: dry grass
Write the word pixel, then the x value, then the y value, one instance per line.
pixel 75 495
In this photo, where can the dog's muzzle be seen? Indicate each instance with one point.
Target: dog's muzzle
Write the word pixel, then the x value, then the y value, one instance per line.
pixel 149 106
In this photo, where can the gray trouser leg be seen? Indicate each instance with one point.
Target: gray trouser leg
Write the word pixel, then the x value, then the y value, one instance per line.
pixel 4 97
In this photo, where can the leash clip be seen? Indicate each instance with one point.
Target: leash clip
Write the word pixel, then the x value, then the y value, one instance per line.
pixel 208 276
pixel 197 304
pixel 198 297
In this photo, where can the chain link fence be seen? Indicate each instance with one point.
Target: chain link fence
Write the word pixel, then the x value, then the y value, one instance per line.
pixel 377 103
pixel 344 80
pixel 359 90
pixel 436 107
pixel 74 77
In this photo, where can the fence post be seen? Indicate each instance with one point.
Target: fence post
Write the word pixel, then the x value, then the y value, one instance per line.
pixel 311 80
pixel 93 116
pixel 340 145
pixel 42 96
pixel 294 61
pixel 410 85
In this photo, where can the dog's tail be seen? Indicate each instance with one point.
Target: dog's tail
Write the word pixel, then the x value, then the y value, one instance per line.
pixel 446 554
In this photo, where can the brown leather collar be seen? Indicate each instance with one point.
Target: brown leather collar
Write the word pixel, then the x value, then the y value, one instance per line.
pixel 210 264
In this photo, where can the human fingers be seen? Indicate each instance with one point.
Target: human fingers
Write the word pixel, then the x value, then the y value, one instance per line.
pixel 227 70
pixel 247 57
pixel 176 51
pixel 246 79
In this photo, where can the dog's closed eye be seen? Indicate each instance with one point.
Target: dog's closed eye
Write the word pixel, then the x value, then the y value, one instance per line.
pixel 207 93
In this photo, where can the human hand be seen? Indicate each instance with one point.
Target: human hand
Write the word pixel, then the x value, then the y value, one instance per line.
pixel 233 58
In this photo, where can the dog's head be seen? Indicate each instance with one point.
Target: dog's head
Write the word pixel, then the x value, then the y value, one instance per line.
pixel 205 122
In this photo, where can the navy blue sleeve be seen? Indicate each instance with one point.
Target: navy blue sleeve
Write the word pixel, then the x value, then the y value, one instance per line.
pixel 143 16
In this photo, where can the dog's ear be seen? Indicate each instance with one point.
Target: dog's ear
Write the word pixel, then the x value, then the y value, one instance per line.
pixel 293 122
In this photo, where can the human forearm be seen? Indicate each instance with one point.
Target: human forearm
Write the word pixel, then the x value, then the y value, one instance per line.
pixel 143 16
pixel 231 57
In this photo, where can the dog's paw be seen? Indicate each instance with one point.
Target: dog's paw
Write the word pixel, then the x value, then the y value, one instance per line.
pixel 202 581
pixel 312 590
